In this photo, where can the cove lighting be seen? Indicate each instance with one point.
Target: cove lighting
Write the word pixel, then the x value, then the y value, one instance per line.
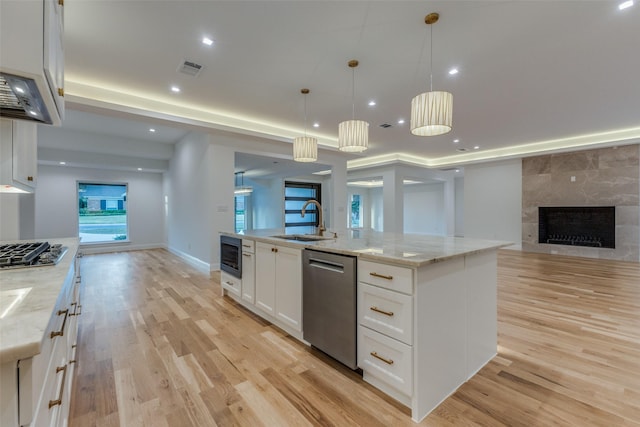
pixel 625 5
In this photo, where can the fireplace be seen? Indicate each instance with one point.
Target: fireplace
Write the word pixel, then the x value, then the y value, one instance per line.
pixel 593 226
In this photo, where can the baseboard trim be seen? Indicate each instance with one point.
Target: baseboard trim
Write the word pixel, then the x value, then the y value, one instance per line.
pixel 103 249
pixel 191 260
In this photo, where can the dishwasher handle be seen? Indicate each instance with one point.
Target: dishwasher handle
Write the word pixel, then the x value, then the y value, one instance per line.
pixel 326 265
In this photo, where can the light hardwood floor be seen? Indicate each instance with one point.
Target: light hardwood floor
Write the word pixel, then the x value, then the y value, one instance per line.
pixel 159 346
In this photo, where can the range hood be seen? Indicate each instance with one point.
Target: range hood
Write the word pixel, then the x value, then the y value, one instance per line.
pixel 21 99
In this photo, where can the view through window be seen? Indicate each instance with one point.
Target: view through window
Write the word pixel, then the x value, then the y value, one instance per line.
pixel 102 212
pixel 356 211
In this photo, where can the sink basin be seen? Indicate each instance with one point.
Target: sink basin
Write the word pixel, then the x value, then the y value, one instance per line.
pixel 301 237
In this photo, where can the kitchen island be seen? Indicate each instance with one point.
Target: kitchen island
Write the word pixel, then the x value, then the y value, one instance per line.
pixel 38 328
pixel 427 315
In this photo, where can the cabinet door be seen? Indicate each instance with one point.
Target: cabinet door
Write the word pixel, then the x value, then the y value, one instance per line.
pixel 25 152
pixel 248 276
pixel 54 51
pixel 265 284
pixel 289 286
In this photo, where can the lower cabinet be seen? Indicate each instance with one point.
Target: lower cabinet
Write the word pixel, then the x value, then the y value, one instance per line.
pixel 43 389
pixel 278 283
pixel 248 271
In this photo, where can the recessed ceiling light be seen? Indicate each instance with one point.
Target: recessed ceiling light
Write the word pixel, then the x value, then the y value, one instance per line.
pixel 139 169
pixel 401 121
pixel 476 147
pixel 152 130
pixel 33 113
pixel 207 41
pixel 455 141
pixel 316 125
pixel 625 5
pixel 457 170
pixel 453 71
pixel 19 89
pixel 175 89
pixel 63 163
pixel 372 103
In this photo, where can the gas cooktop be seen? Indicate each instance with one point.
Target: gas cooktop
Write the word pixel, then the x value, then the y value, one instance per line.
pixel 38 254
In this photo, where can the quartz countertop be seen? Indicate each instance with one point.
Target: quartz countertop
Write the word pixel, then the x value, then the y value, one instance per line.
pixel 411 250
pixel 27 299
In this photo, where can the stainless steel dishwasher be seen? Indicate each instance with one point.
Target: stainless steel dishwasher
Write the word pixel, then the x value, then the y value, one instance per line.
pixel 329 304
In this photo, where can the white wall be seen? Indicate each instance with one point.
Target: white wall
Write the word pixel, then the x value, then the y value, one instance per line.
pixel 377 209
pixel 189 200
pixel 493 201
pixel 9 216
pixel 267 201
pixel 459 207
pixel 56 204
pixel 424 210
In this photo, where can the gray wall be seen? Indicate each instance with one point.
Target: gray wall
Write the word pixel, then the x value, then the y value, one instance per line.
pixel 56 204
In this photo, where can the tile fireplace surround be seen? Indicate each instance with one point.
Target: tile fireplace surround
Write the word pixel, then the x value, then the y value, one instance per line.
pixel 602 177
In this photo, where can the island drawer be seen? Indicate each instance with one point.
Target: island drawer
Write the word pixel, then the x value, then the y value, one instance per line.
pixel 387 360
pixel 231 284
pixel 248 246
pixel 388 312
pixel 399 279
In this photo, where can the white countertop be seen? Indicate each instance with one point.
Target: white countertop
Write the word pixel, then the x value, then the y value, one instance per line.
pixel 412 250
pixel 27 299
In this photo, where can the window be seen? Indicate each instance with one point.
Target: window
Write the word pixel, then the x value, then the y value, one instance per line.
pixel 295 196
pixel 241 212
pixel 102 212
pixel 355 220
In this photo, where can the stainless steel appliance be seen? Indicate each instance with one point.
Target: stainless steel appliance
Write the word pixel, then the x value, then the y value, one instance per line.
pixel 231 255
pixel 329 304
pixel 36 254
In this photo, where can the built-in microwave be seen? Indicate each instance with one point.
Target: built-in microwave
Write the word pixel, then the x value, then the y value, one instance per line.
pixel 231 255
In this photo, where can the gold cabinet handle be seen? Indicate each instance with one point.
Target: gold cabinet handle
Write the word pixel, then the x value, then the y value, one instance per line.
pixel 377 310
pixel 246 246
pixel 247 255
pixel 61 2
pixel 58 401
pixel 30 178
pixel 382 276
pixel 377 356
pixel 64 322
pixel 229 283
pixel 60 91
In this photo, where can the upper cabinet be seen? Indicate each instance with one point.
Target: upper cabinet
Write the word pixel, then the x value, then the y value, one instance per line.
pixel 18 156
pixel 32 60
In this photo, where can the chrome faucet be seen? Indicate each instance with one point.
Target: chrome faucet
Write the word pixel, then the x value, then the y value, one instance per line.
pixel 321 228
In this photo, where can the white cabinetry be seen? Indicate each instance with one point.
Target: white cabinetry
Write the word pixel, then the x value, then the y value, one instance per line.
pixel 18 156
pixel 279 284
pixel 424 331
pixel 248 271
pixel 36 391
pixel 231 284
pixel 31 46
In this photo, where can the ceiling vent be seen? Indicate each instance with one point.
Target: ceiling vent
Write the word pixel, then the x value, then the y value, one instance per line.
pixel 462 150
pixel 385 125
pixel 190 68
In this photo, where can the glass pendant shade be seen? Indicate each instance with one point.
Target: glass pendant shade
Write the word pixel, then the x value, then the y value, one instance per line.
pixel 431 113
pixel 305 149
pixel 353 136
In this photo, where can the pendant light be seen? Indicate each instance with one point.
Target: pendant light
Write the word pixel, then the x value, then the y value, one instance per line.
pixel 353 135
pixel 431 112
pixel 241 190
pixel 305 148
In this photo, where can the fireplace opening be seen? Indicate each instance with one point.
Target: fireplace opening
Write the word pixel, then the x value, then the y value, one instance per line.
pixel 593 226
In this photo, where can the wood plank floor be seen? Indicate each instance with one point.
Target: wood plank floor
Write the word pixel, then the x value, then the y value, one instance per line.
pixel 159 346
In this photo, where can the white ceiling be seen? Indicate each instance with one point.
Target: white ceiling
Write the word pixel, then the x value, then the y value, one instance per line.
pixel 531 72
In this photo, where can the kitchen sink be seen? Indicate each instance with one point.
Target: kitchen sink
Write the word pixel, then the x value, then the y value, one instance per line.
pixel 301 237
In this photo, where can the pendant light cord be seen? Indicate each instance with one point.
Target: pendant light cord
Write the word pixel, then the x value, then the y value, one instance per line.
pixel 431 58
pixel 305 116
pixel 353 93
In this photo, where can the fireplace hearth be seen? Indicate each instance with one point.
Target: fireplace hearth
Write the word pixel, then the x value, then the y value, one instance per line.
pixel 593 226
